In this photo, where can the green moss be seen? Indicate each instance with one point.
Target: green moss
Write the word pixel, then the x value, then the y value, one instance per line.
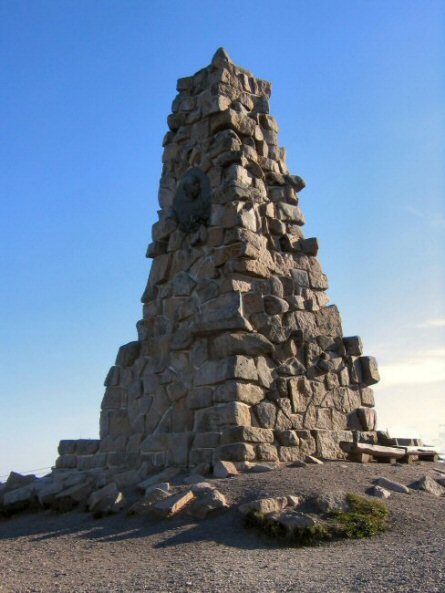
pixel 365 518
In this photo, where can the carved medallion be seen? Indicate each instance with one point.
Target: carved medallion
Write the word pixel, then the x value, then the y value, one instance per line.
pixel 191 204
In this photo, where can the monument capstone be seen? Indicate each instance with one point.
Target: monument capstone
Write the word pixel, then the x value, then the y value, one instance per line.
pixel 238 357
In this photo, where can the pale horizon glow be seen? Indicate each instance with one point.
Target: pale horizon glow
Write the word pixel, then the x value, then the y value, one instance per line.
pixel 432 323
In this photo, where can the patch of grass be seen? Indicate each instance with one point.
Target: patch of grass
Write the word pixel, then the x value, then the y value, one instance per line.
pixel 365 518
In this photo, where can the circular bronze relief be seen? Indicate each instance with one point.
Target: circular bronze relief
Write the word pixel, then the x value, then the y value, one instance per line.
pixel 191 204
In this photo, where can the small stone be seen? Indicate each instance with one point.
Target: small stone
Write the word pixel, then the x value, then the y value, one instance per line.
pixel 15 480
pixel 295 520
pixel 266 452
pixel 105 500
pixel 370 372
pixel 236 391
pixel 200 487
pixel 209 502
pixel 293 501
pixel 266 413
pixel 71 497
pixel 275 305
pixel 258 467
pixel 165 486
pixel 173 504
pixel 231 119
pixel 428 484
pixel 293 368
pixel 378 492
pixel 153 497
pixel 288 438
pixel 217 371
pixel 224 469
pixel 221 58
pixel 19 498
pixel 329 502
pixel 47 495
pixel 392 485
pixel 235 452
pixel 310 246
pixel 265 375
pixel 249 344
pixel 264 505
pixel 329 442
pixel 183 284
pixel 222 415
pixel 247 434
pixel 298 463
pixel 353 345
pixel 289 454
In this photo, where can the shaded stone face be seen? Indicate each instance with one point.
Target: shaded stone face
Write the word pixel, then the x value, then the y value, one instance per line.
pixel 192 201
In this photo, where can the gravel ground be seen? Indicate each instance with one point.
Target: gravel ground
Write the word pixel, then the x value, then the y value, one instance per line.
pixel 74 553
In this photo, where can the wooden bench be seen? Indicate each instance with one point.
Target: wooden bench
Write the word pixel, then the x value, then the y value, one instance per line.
pixel 368 453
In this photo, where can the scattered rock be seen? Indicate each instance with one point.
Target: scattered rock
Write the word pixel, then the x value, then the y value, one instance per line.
pixel 47 495
pixel 174 504
pixel 293 501
pixel 165 486
pixel 292 519
pixel 200 487
pixel 378 492
pixel 72 497
pixel 224 469
pixel 298 463
pixel 154 496
pixel 257 467
pixel 106 500
pixel 264 505
pixel 391 485
pixel 15 480
pixel 428 484
pixel 210 502
pixel 327 502
pixel 19 498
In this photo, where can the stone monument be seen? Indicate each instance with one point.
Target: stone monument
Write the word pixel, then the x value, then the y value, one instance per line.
pixel 239 357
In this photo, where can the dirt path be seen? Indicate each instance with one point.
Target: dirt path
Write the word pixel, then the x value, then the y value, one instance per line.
pixel 74 553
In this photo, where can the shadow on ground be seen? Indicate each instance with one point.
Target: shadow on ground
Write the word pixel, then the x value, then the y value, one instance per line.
pixel 226 528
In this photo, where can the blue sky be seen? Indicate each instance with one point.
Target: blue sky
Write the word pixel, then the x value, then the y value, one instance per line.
pixel 359 94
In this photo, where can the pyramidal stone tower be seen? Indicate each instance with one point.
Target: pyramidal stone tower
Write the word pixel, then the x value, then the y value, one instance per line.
pixel 239 356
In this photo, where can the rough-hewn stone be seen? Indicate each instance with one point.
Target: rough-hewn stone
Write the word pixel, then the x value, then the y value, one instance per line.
pixel 238 355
